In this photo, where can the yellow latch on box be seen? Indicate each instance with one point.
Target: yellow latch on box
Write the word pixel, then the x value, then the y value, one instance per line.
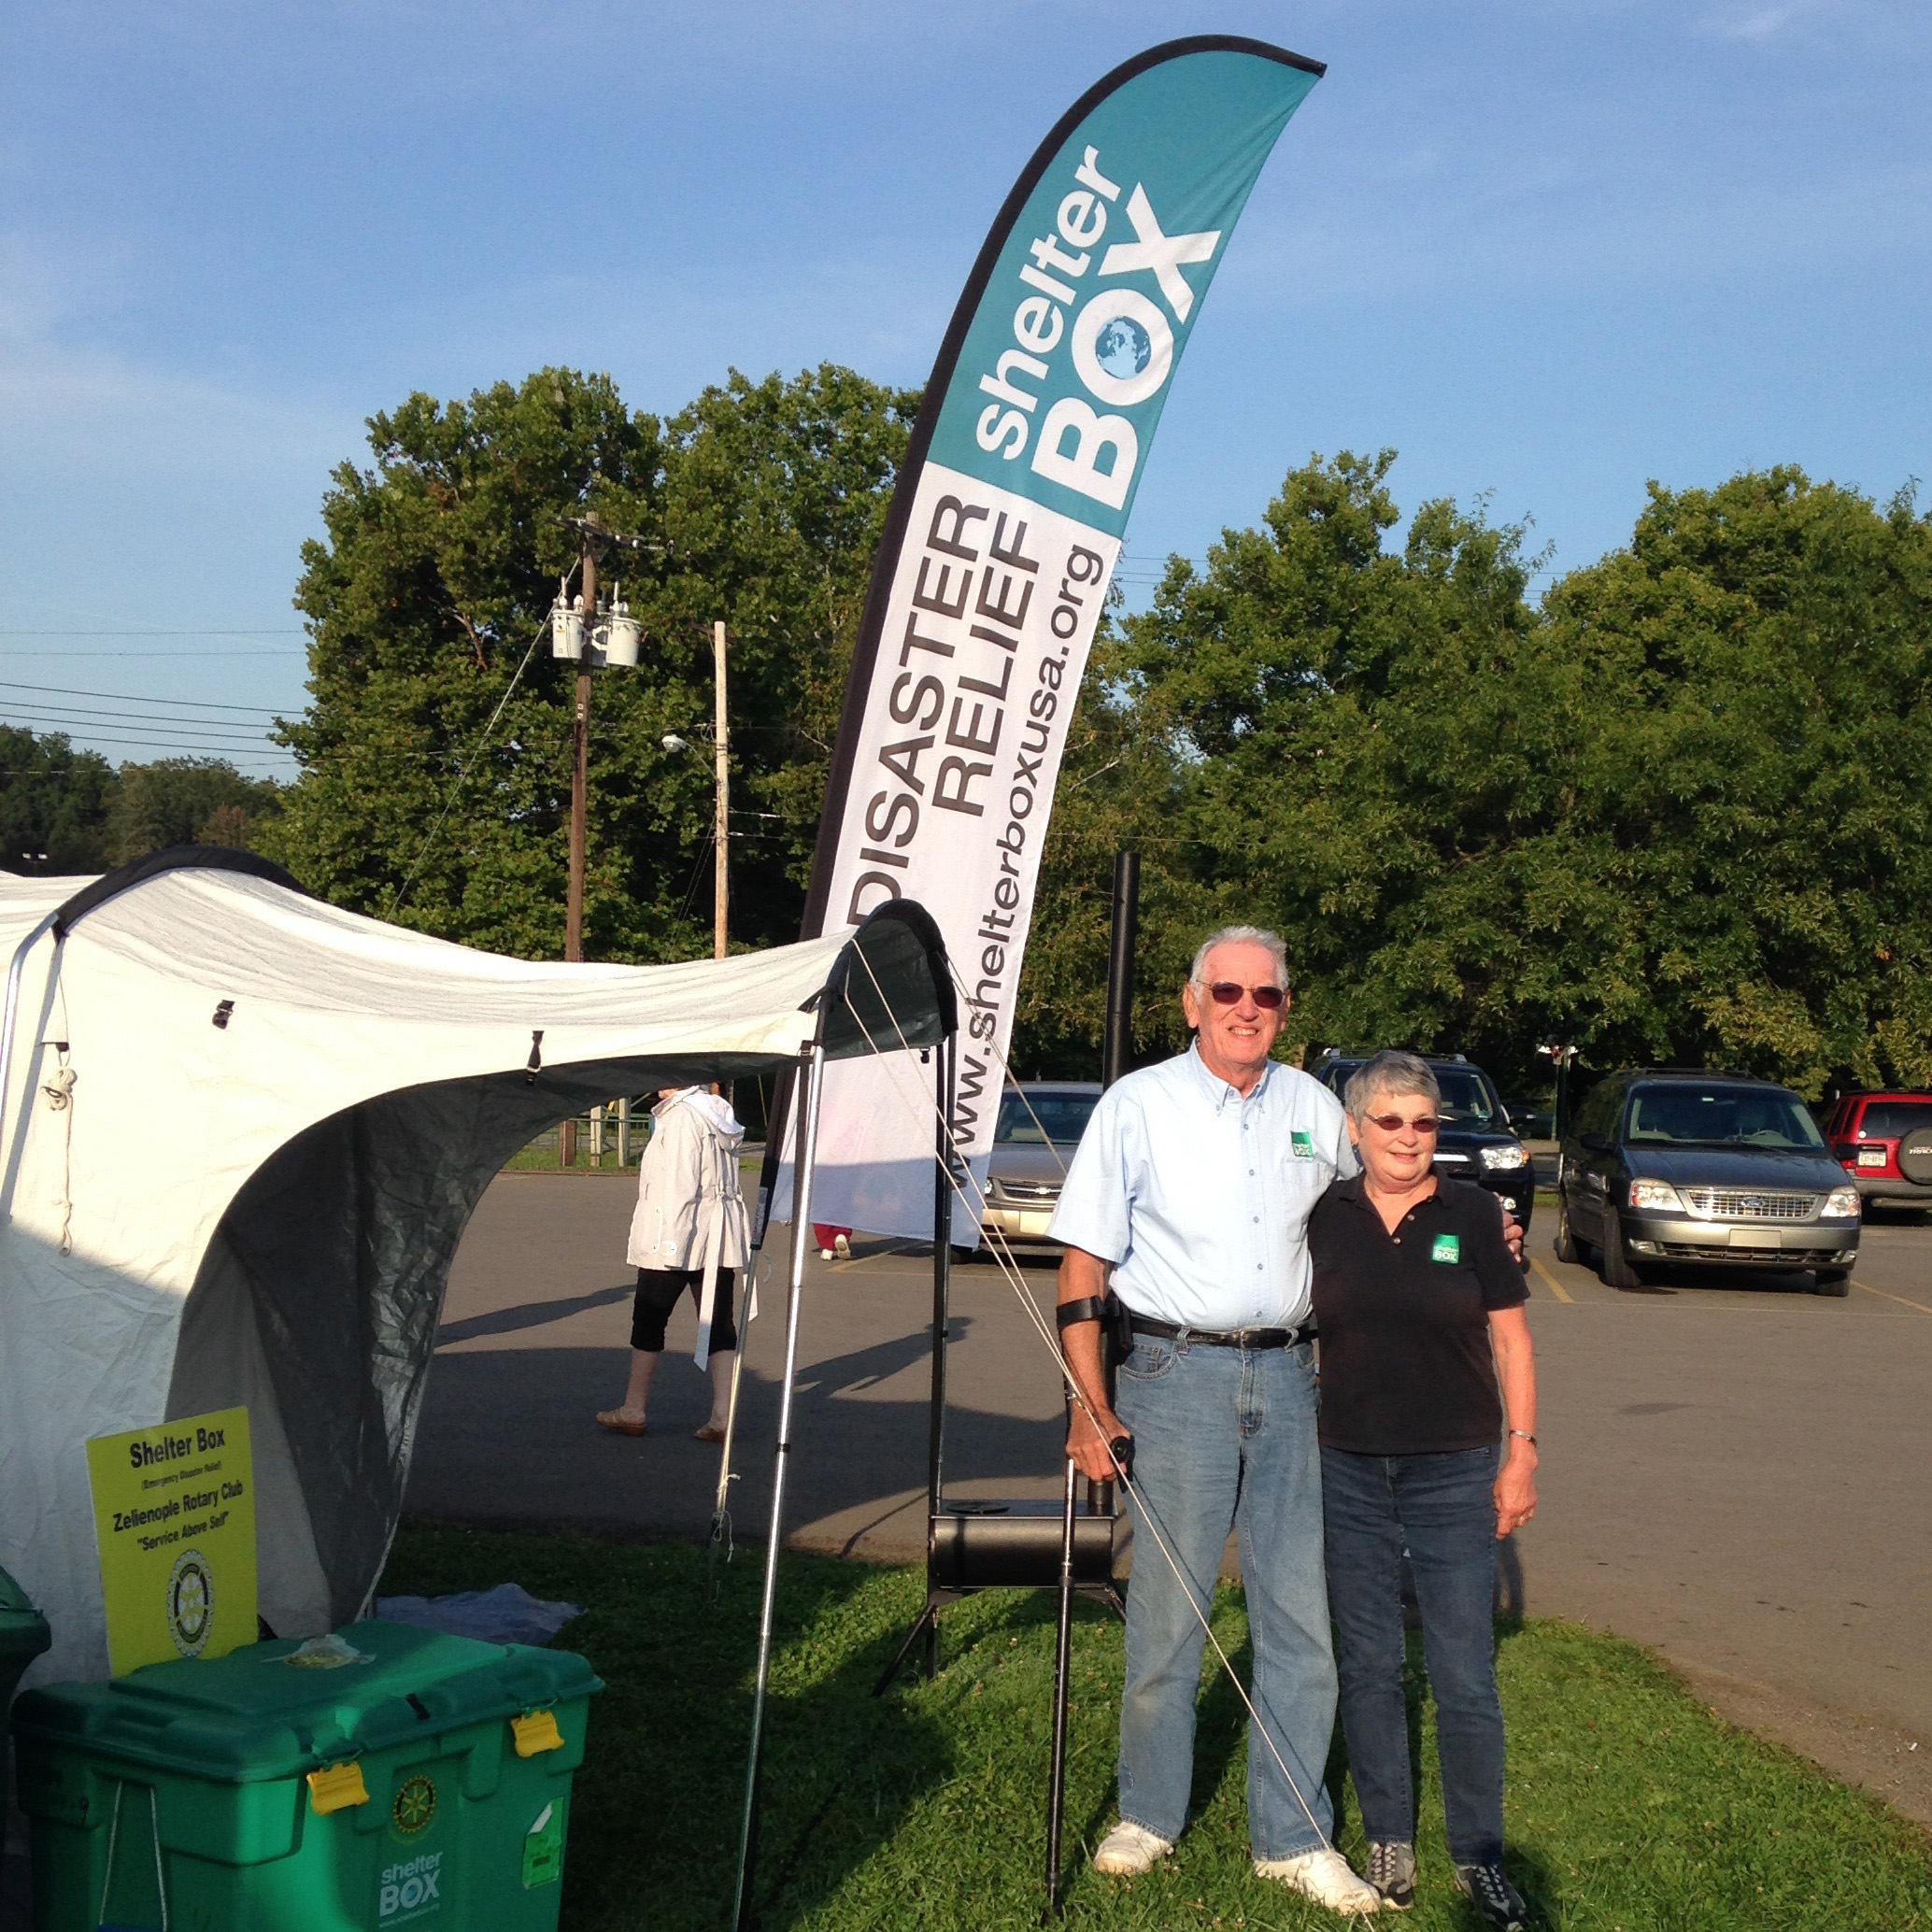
pixel 337 1786
pixel 535 1731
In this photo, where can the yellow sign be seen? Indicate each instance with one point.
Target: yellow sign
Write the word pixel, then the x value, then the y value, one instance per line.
pixel 174 1519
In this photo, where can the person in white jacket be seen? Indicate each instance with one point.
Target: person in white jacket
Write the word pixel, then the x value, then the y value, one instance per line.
pixel 688 1235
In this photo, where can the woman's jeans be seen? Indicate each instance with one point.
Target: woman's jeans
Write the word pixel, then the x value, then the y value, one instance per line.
pixel 1223 1438
pixel 1439 1509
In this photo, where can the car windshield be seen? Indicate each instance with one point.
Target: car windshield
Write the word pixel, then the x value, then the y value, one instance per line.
pixel 1063 1115
pixel 1892 1120
pixel 1721 1116
pixel 1465 1097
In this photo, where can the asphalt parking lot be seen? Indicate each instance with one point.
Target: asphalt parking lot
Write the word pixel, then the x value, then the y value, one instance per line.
pixel 1736 1471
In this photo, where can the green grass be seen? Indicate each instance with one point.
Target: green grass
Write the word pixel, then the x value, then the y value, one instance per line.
pixel 1631 1807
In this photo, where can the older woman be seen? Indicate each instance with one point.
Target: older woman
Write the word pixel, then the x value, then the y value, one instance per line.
pixel 1428 1429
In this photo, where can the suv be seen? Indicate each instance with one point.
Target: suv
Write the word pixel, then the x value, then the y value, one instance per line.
pixel 1475 1143
pixel 1884 1140
pixel 1668 1166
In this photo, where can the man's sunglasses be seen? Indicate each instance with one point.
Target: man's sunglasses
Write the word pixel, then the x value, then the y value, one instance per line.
pixel 1394 1123
pixel 1228 992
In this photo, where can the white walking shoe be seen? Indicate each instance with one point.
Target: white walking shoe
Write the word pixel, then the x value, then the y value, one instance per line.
pixel 842 1247
pixel 1326 1877
pixel 1129 1849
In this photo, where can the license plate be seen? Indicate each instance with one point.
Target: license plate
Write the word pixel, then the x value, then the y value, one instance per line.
pixel 1871 1157
pixel 1757 1238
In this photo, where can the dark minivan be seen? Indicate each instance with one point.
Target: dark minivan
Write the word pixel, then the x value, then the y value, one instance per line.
pixel 1705 1168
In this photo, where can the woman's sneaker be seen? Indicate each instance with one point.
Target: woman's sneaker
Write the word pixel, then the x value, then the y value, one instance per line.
pixel 1129 1849
pixel 1325 1876
pixel 1392 1872
pixel 1490 1892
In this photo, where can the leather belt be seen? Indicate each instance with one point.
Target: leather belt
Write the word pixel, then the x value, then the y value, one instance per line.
pixel 1224 1338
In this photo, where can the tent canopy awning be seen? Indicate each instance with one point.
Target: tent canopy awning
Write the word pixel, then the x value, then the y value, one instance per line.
pixel 281 1115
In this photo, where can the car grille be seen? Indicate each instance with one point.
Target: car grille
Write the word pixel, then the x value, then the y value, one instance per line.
pixel 1027 1190
pixel 1740 1204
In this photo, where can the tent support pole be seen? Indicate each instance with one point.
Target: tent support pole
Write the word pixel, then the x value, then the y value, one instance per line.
pixel 925 1626
pixel 14 970
pixel 942 1308
pixel 812 1079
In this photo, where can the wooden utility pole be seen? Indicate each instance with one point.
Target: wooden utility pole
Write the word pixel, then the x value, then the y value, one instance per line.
pixel 580 755
pixel 579 797
pixel 721 876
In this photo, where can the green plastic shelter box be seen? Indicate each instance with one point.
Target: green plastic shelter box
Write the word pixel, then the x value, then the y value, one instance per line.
pixel 24 1635
pixel 384 1777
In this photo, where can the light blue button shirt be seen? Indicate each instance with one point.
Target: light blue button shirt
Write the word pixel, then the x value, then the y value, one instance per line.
pixel 1201 1197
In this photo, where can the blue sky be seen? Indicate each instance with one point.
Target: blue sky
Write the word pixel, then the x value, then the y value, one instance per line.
pixel 1547 251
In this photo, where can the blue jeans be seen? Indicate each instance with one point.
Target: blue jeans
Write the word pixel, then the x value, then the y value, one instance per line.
pixel 1439 1508
pixel 1224 1439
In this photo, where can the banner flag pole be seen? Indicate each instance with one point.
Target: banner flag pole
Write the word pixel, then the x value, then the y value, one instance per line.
pixel 1003 531
pixel 811 1072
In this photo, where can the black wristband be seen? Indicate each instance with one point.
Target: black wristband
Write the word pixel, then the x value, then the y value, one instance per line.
pixel 1090 1308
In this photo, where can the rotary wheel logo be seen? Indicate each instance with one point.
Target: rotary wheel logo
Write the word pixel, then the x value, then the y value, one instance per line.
pixel 415 1805
pixel 191 1603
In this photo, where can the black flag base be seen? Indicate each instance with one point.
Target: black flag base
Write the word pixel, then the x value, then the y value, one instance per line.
pixel 973 1546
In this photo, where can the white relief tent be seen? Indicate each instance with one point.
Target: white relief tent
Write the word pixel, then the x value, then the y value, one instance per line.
pixel 279 1118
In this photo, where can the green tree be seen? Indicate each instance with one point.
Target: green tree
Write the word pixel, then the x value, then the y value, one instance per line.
pixel 1761 663
pixel 53 805
pixel 1675 814
pixel 185 802
pixel 1121 788
pixel 434 583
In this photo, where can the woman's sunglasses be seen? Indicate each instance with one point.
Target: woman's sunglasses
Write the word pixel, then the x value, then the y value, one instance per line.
pixel 1227 992
pixel 1394 1123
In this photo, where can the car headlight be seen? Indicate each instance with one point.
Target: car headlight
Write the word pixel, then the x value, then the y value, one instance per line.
pixel 1656 1194
pixel 1842 1204
pixel 1511 1155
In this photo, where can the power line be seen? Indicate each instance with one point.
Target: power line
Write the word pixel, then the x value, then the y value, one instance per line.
pixel 263 630
pixel 128 698
pixel 162 657
pixel 156 727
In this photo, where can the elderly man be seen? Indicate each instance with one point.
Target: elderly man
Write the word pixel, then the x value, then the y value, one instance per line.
pixel 1193 1184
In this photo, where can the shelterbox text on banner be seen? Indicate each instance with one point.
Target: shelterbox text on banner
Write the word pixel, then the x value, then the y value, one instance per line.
pixel 987 591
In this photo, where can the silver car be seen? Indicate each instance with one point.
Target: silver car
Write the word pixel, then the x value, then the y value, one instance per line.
pixel 1040 1125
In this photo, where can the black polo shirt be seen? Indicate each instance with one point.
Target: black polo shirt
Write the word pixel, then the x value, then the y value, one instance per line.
pixel 1406 1368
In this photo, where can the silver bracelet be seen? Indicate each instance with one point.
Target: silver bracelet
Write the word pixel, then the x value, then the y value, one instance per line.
pixel 1526 1435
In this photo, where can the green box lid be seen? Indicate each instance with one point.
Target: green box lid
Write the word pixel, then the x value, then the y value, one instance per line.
pixel 267 1710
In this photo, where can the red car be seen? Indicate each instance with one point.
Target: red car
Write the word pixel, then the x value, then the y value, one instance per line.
pixel 1884 1140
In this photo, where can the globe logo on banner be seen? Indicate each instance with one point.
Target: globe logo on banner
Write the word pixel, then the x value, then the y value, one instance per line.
pixel 1123 348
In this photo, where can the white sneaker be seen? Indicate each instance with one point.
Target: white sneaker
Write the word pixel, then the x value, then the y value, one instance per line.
pixel 1326 1877
pixel 842 1247
pixel 1129 1849
pixel 825 1254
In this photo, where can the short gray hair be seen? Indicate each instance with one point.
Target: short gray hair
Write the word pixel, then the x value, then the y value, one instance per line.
pixel 1240 935
pixel 1392 1072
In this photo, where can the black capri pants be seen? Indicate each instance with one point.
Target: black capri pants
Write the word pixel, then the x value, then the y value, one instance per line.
pixel 658 1290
